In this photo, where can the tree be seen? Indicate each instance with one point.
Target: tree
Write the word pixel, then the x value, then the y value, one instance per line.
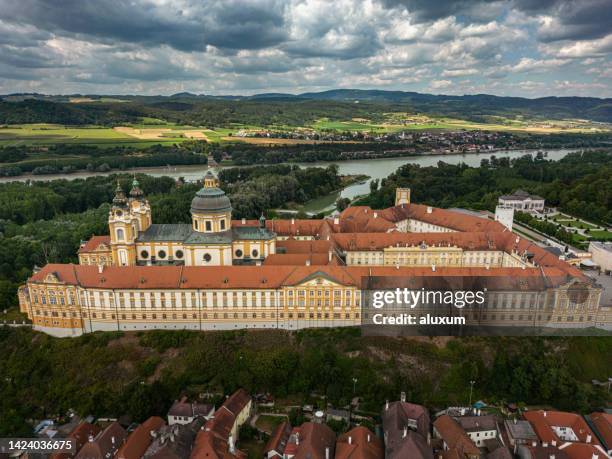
pixel 342 203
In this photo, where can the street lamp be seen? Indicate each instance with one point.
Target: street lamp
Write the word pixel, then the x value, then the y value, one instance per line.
pixel 472 382
pixel 354 385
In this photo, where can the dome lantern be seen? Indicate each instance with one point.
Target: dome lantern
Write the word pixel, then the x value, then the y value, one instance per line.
pixel 119 200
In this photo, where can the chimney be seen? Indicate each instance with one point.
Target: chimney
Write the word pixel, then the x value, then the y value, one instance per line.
pixel 350 440
pixel 375 214
pixel 369 438
pixel 113 440
pixel 327 453
pixel 100 269
pixel 90 438
pixel 387 405
pixel 403 397
pixel 336 221
pixel 534 444
pixel 405 432
pixel 293 221
pixel 544 413
pixel 307 262
pixel 429 209
pixel 244 221
pixel 588 439
pixel 297 438
pixel 230 444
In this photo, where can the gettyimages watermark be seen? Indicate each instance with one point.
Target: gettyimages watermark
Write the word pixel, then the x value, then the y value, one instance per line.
pixel 479 305
pixel 399 300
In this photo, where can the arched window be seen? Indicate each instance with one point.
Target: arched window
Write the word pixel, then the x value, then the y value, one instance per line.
pixel 120 234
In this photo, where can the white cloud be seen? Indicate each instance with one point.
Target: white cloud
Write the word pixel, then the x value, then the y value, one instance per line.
pixel 459 72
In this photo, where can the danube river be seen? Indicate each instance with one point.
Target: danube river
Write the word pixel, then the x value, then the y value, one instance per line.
pixel 374 168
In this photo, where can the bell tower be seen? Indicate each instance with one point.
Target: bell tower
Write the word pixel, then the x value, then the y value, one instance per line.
pixel 139 207
pixel 122 227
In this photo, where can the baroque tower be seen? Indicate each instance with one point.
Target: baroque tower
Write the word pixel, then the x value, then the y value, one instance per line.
pixel 123 230
pixel 139 207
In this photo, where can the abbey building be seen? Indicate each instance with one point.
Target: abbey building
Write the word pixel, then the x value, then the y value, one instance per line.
pixel 221 273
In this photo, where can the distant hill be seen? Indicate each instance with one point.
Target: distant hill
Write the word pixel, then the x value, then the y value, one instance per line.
pixel 477 107
pixel 590 108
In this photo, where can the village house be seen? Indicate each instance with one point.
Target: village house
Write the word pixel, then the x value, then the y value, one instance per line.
pixel 140 439
pixel 406 428
pixel 359 443
pixel 104 445
pixel 311 440
pixel 184 412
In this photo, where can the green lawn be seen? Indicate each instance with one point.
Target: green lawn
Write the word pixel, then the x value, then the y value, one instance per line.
pixel 600 235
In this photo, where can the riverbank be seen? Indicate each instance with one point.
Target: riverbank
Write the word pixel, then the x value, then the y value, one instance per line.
pixel 187 171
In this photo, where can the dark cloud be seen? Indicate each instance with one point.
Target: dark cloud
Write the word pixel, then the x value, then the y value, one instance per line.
pixel 224 24
pixel 243 45
pixel 581 20
pixel 431 10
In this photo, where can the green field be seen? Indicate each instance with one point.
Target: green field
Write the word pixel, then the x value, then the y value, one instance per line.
pixel 145 134
pixel 395 122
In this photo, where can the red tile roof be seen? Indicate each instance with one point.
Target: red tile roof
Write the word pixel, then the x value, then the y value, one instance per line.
pixel 544 421
pixel 221 423
pixel 93 243
pixel 140 439
pixel 210 446
pixel 80 434
pixel 310 441
pixel 271 276
pixel 279 438
pixel 359 443
pixel 454 436
pixel 310 246
pixel 603 424
pixel 299 259
pixel 237 402
pixel 583 451
pixel 105 444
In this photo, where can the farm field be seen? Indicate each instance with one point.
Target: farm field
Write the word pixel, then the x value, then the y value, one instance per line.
pixel 151 131
pixel 137 135
pixel 396 122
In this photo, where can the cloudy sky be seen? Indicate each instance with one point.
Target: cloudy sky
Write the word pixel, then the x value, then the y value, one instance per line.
pixel 517 47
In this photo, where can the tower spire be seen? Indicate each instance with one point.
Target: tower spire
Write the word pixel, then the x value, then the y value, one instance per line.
pixel 136 192
pixel 119 199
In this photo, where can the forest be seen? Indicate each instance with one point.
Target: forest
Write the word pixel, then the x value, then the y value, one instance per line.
pixel 578 184
pixel 140 374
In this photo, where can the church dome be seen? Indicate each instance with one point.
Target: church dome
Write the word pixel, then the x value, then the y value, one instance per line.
pixel 210 199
